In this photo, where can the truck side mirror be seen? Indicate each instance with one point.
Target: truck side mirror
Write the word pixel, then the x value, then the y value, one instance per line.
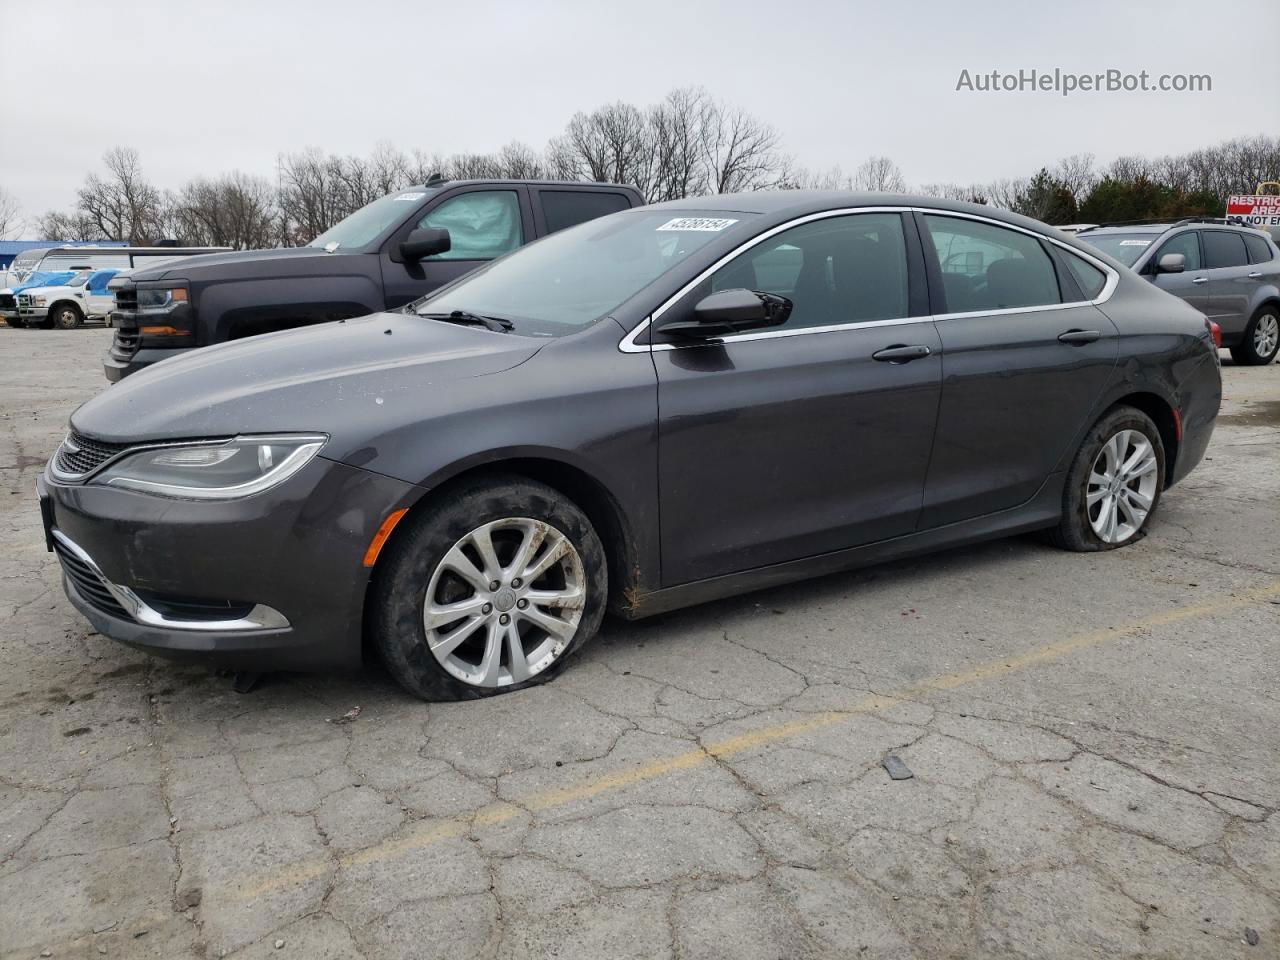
pixel 424 243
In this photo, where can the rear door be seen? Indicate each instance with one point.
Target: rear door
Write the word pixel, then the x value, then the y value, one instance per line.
pixel 1025 358
pixel 484 222
pixel 800 440
pixel 1230 285
pixel 1192 285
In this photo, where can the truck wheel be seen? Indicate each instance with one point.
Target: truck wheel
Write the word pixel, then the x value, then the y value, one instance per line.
pixel 66 316
pixel 1261 340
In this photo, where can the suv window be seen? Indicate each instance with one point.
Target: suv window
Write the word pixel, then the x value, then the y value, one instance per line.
pixel 985 267
pixel 568 208
pixel 1223 249
pixel 835 270
pixel 482 225
pixel 1259 249
pixel 1186 244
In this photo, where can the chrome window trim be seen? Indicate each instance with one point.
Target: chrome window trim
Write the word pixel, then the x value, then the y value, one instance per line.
pixel 628 343
pixel 260 617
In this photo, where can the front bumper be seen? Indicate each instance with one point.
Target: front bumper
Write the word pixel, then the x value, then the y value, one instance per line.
pixel 118 367
pixel 278 577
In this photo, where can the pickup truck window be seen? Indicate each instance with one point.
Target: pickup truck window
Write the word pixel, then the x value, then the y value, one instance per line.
pixel 482 225
pixel 568 208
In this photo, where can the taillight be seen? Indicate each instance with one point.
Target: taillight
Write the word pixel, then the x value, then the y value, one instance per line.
pixel 1215 332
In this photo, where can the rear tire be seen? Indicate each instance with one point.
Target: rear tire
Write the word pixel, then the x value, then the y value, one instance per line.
pixel 65 316
pixel 454 624
pixel 1114 484
pixel 1261 341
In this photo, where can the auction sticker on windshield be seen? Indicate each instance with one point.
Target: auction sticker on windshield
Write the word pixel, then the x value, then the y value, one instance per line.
pixel 410 196
pixel 1135 243
pixel 711 224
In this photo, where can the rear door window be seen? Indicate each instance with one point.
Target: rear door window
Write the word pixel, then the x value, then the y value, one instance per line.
pixel 1259 249
pixel 568 208
pixel 986 267
pixel 1223 249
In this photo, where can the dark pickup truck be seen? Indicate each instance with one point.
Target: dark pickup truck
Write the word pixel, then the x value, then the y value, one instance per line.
pixel 384 255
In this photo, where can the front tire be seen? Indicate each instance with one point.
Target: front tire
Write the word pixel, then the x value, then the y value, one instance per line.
pixel 489 590
pixel 1261 340
pixel 65 317
pixel 1114 484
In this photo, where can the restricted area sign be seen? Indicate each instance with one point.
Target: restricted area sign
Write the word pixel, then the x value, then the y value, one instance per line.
pixel 1256 210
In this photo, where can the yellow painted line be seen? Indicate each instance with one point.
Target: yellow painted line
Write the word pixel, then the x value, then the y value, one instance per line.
pixel 424 833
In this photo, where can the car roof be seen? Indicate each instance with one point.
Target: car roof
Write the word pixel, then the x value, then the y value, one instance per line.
pixel 1164 227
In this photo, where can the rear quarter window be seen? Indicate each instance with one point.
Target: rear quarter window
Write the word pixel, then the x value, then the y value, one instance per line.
pixel 1258 248
pixel 1089 277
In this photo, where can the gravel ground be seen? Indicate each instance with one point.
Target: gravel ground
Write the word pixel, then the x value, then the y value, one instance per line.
pixel 1093 741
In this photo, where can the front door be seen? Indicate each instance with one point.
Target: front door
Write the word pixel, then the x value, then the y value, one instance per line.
pixel 799 440
pixel 483 223
pixel 1022 366
pixel 1192 284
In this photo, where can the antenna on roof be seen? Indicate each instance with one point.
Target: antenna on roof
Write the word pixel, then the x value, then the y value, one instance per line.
pixel 436 178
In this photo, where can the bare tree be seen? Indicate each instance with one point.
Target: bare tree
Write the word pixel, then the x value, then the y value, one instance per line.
pixel 1077 174
pixel 740 152
pixel 236 210
pixel 11 222
pixel 881 174
pixel 73 227
pixel 122 205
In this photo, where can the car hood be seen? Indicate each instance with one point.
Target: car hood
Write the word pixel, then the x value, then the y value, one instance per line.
pixel 350 379
pixel 243 264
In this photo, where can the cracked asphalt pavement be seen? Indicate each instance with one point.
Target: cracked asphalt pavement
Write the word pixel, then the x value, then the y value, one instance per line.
pixel 1093 741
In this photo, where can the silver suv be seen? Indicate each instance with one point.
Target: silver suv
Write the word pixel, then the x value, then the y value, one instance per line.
pixel 1229 273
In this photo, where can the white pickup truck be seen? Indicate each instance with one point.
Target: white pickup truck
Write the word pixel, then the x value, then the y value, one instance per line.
pixel 84 297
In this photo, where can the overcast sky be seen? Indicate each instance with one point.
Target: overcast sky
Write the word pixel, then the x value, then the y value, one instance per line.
pixel 206 87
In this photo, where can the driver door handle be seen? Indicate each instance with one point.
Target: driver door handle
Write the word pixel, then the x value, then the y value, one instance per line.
pixel 901 354
pixel 1080 336
pixel 1255 275
pixel 1200 280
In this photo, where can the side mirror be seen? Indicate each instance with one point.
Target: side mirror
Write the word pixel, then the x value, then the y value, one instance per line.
pixel 732 311
pixel 1171 263
pixel 424 243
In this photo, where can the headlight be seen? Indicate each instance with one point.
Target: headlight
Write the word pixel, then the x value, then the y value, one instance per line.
pixel 157 298
pixel 218 470
pixel 37 301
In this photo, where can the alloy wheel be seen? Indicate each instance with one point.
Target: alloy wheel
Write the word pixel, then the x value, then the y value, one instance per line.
pixel 1266 334
pixel 1121 488
pixel 504 602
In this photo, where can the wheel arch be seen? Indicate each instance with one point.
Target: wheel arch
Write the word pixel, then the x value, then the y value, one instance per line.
pixel 1161 412
pixel 576 483
pixel 58 304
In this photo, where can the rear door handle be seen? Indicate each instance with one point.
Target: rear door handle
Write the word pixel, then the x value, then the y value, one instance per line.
pixel 1080 336
pixel 901 354
pixel 1200 280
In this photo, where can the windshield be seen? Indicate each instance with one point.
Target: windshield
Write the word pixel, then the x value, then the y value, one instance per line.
pixel 78 280
pixel 577 276
pixel 1125 247
pixel 360 229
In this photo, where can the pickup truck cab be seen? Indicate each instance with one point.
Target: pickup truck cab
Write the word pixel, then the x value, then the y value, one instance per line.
pixel 385 255
pixel 67 305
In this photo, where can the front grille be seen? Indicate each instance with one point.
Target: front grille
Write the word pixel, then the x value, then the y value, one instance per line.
pixel 87 583
pixel 79 455
pixel 126 340
pixel 24 300
pixel 125 320
pixel 7 301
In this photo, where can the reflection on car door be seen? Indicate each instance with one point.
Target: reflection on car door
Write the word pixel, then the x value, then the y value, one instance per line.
pixel 1192 285
pixel 1021 369
pixel 797 441
pixel 1230 285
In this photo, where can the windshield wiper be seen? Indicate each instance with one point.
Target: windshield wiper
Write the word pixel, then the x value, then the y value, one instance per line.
pixel 496 324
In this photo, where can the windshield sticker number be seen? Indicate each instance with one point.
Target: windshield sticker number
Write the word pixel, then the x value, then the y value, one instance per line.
pixel 704 224
pixel 1135 243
